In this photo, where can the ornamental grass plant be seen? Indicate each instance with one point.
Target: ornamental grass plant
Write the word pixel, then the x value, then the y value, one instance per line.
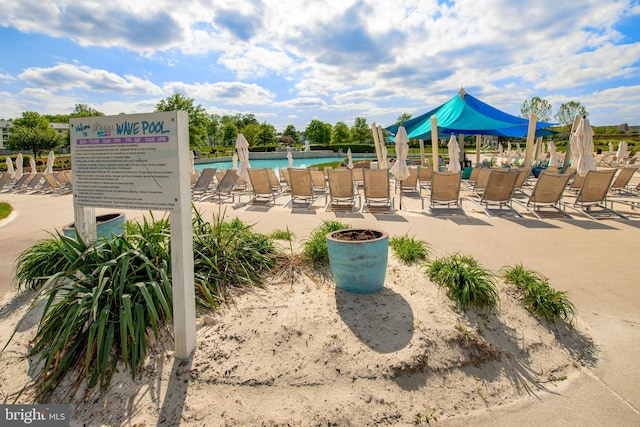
pixel 538 296
pixel 410 250
pixel 315 246
pixel 465 281
pixel 102 302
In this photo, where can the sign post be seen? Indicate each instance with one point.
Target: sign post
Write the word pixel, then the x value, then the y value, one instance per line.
pixel 140 161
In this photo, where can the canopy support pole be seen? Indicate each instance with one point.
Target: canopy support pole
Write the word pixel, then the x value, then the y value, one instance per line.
pixel 421 142
pixel 531 135
pixel 434 144
pixel 463 157
pixel 478 142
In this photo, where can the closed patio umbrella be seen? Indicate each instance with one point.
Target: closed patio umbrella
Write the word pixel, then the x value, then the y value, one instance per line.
pixel 399 169
pixel 553 154
pixel 51 157
pixel 385 162
pixel 584 146
pixel 19 170
pixel 243 155
pixel 32 165
pixel 10 170
pixel 350 157
pixel 611 150
pixel 622 152
pixel 454 154
pixel 234 161
pixel 290 159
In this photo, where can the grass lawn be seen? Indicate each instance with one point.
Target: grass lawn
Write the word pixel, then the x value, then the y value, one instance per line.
pixel 5 210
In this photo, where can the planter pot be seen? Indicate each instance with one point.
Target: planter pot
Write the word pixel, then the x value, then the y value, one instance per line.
pixel 358 266
pixel 106 226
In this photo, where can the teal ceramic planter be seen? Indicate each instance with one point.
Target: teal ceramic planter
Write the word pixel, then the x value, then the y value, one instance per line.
pixel 106 226
pixel 358 266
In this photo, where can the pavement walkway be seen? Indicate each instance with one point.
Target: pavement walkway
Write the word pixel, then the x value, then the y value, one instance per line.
pixel 594 261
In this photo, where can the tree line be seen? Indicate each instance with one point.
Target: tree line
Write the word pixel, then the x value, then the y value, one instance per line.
pixel 33 132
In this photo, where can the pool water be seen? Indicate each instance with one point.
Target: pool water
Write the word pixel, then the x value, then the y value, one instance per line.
pixel 276 164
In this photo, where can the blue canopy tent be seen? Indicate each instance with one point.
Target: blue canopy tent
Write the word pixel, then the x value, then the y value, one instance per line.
pixel 464 114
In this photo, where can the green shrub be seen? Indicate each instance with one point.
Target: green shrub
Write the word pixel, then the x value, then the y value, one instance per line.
pixel 228 254
pixel 465 281
pixel 98 309
pixel 408 249
pixel 315 246
pixel 286 235
pixel 538 297
pixel 101 301
pixel 5 210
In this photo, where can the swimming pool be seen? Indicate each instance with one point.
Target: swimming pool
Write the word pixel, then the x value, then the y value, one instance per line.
pixel 277 164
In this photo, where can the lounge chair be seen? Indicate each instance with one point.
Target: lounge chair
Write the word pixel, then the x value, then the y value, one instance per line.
pixel 409 184
pixel 482 177
pixel 445 191
pixel 424 177
pixel 576 183
pixel 342 191
pixel 285 179
pixel 34 184
pixel 377 192
pixel 358 177
pixel 5 179
pixel 19 184
pixel 261 186
pixel 318 182
pixel 498 191
pixel 523 175
pixel 52 186
pixel 593 194
pixel 301 188
pixel 204 182
pixel 622 180
pixel 274 181
pixel 547 192
pixel 226 188
pixel 606 160
pixel 473 176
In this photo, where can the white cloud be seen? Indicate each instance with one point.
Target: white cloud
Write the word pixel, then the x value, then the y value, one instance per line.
pixel 231 93
pixel 359 56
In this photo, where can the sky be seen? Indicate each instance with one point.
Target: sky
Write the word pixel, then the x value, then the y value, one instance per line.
pixel 292 61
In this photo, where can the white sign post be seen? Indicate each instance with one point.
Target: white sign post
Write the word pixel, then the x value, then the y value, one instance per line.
pixel 140 161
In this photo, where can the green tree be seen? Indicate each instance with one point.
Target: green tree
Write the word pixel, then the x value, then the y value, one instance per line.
pixel 403 118
pixel 318 132
pixel 291 132
pixel 229 133
pixel 568 111
pixel 360 132
pixel 33 132
pixel 213 129
pixel 251 133
pixel 267 134
pixel 340 134
pixel 540 107
pixel 84 110
pixel 197 117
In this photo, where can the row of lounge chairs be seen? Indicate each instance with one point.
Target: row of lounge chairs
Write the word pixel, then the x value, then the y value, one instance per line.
pixel 58 183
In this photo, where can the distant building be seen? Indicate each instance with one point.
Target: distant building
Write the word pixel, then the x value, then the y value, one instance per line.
pixel 626 128
pixel 6 125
